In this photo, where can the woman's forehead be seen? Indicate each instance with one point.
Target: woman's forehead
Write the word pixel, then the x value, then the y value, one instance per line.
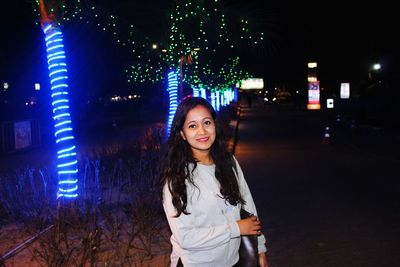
pixel 198 112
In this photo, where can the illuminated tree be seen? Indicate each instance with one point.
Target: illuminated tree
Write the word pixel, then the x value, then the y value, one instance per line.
pixel 203 43
pixel 200 47
pixel 58 74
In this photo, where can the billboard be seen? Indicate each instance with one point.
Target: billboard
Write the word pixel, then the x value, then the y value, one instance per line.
pixel 329 103
pixel 252 83
pixel 345 90
pixel 313 95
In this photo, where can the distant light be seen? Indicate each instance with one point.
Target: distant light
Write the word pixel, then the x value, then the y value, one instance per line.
pixel 196 92
pixel 218 101
pixel 213 100
pixel 312 65
pixel 37 86
pixel 203 93
pixel 164 50
pixel 197 49
pixel 345 90
pixel 5 86
pixel 376 66
pixel 154 46
pixel 313 96
pixel 329 103
pixel 253 83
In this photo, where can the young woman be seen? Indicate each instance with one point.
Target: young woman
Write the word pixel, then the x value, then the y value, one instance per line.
pixel 203 191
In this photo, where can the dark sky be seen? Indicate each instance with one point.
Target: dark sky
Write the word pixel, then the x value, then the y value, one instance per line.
pixel 344 40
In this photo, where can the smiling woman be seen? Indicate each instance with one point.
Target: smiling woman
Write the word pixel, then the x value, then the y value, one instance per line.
pixel 199 131
pixel 204 190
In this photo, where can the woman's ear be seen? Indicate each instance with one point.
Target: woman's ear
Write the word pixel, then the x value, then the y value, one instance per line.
pixel 183 135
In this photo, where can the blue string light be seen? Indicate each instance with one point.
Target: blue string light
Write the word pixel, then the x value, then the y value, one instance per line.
pixel 213 102
pixel 195 92
pixel 173 98
pixel 218 102
pixel 66 154
pixel 203 93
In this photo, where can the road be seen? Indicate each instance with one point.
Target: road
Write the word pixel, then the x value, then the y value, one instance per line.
pixel 321 204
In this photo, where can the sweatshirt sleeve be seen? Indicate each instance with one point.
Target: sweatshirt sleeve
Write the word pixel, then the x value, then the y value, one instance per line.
pixel 249 206
pixel 191 237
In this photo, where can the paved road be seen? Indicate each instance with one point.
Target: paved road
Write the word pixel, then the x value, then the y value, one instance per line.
pixel 322 205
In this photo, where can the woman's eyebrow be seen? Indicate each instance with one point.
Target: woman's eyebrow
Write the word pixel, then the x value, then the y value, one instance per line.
pixel 205 118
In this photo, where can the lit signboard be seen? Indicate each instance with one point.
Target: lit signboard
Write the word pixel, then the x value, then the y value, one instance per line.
pixel 313 95
pixel 312 65
pixel 329 103
pixel 345 90
pixel 253 83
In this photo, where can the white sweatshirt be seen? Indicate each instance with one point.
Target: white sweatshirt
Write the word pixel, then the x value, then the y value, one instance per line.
pixel 209 236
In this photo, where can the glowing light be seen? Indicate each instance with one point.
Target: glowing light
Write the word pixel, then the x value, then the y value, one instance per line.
pixel 213 101
pixel 253 83
pixel 376 66
pixel 218 103
pixel 195 91
pixel 313 96
pixel 345 90
pixel 203 93
pixel 312 65
pixel 173 98
pixel 330 103
pixel 66 155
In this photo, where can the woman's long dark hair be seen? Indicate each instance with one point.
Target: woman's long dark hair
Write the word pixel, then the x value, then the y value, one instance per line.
pixel 175 170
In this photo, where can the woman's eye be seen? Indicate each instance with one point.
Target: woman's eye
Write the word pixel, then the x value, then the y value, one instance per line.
pixel 207 122
pixel 191 126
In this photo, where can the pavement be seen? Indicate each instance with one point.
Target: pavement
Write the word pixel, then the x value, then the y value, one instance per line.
pixel 322 204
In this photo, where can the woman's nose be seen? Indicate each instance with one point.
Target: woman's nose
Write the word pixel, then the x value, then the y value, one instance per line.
pixel 201 129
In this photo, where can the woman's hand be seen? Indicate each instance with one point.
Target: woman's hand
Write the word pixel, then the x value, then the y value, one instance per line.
pixel 262 259
pixel 250 226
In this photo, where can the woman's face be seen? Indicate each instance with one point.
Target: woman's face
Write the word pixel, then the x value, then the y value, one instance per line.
pixel 199 131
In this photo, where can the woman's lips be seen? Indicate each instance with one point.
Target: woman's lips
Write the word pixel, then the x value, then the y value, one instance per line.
pixel 204 139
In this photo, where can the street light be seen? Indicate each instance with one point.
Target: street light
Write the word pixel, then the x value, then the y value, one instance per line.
pixel 376 66
pixel 374 70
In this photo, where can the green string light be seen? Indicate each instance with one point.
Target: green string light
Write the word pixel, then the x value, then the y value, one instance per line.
pixel 203 26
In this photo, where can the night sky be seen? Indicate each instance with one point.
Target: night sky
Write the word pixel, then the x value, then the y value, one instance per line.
pixel 344 40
